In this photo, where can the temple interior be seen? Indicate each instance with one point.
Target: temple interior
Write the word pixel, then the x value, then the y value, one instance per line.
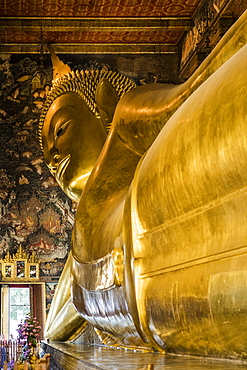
pixel 106 308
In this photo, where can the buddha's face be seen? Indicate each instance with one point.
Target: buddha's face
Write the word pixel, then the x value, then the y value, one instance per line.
pixel 72 140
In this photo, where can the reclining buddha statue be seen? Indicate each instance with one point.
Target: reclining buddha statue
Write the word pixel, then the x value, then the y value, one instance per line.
pixel 159 248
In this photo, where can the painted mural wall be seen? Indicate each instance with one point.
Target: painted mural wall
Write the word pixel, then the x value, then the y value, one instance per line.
pixel 34 212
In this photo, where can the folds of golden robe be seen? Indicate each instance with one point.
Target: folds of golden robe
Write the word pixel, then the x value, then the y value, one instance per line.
pixel 182 224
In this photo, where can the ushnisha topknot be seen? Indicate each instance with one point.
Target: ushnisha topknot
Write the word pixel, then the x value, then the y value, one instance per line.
pixel 84 83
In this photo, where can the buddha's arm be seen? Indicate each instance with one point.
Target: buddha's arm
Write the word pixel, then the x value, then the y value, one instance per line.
pixel 99 213
pixel 99 278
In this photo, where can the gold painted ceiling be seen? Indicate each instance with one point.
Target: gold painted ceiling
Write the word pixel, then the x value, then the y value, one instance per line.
pixel 109 26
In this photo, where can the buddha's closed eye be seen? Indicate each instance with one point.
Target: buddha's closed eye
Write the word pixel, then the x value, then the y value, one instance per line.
pixel 61 128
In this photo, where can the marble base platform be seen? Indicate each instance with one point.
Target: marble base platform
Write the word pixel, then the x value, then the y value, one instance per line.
pixel 76 356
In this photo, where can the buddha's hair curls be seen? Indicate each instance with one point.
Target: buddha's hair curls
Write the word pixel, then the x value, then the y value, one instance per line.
pixel 84 83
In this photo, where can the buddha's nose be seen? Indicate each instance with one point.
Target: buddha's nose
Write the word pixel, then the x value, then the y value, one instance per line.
pixel 53 162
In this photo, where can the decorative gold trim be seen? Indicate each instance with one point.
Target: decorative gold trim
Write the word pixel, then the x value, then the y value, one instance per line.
pixel 69 48
pixel 33 271
pixel 96 24
pixel 19 267
pixel 8 270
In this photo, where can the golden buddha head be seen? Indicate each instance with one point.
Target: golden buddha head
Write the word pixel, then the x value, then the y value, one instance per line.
pixel 74 123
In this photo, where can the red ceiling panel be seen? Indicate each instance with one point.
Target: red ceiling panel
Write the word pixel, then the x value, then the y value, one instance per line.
pixel 98 8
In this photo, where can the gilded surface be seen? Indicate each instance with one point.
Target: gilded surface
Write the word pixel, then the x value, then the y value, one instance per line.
pixel 159 245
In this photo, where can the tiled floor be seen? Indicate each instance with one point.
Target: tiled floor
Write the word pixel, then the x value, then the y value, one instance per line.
pixel 84 357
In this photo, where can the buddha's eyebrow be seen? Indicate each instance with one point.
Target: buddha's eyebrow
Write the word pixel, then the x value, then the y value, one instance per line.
pixel 63 113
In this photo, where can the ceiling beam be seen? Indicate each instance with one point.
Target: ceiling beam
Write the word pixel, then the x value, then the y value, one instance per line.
pixel 95 24
pixel 63 48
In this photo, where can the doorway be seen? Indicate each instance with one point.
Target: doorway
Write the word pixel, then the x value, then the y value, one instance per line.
pixel 17 300
pixel 19 307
